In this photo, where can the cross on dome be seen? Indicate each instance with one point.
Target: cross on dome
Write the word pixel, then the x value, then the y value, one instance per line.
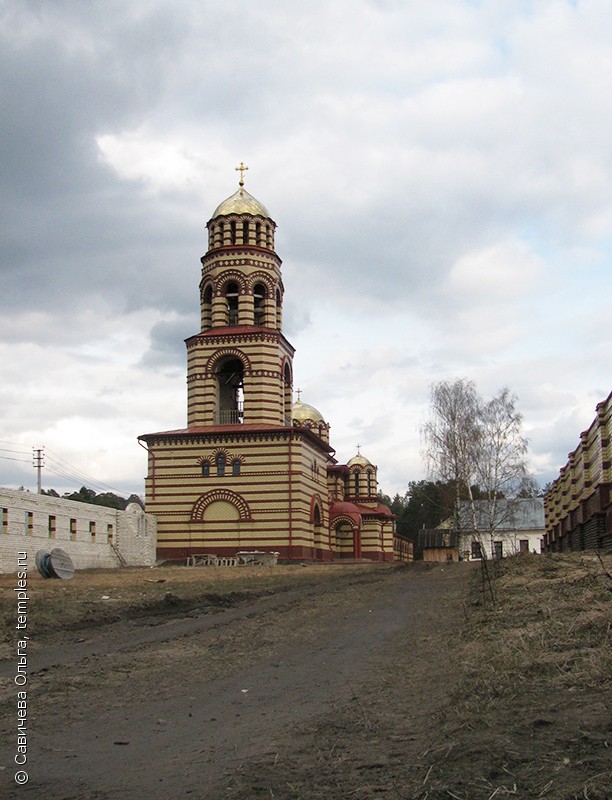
pixel 241 169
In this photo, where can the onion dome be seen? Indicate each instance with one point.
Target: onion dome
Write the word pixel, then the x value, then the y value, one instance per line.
pixel 302 412
pixel 359 461
pixel 241 202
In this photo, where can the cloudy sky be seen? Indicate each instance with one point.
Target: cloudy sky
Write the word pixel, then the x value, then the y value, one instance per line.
pixel 439 173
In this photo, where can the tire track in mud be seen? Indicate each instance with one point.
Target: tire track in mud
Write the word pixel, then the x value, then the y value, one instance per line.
pixel 189 732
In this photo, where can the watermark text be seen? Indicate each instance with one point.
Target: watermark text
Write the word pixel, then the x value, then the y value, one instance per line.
pixel 21 669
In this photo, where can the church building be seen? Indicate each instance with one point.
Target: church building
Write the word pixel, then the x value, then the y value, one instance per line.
pixel 254 470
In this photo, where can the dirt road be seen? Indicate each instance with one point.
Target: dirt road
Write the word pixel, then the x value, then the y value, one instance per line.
pixel 212 706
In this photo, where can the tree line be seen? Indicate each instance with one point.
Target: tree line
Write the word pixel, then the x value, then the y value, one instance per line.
pixel 86 495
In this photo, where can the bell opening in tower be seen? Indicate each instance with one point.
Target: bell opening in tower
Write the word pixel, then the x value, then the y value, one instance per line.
pixel 259 298
pixel 230 393
pixel 231 296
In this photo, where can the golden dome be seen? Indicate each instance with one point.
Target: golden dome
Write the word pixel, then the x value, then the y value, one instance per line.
pixel 359 460
pixel 303 412
pixel 241 202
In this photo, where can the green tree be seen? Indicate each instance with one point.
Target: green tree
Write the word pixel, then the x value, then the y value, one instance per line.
pixel 86 495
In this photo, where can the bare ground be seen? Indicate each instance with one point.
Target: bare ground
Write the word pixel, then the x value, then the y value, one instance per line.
pixel 314 682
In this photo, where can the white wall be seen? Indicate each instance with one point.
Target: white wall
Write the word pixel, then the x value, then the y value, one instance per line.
pixel 510 542
pixel 26 525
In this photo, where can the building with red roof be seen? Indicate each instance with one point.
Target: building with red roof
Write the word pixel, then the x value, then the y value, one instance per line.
pixel 253 470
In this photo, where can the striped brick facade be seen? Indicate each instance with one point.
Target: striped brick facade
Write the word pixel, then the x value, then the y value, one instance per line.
pixel 253 471
pixel 578 506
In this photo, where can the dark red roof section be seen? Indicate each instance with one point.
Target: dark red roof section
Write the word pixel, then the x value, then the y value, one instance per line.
pixel 357 510
pixel 213 430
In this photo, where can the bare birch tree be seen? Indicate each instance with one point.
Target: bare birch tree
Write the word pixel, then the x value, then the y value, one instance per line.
pixel 476 443
pixel 501 465
pixel 452 437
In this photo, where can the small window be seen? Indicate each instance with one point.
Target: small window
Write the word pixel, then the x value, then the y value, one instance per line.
pixel 221 465
pixel 205 469
pixel 109 532
pixel 356 479
pixel 476 551
pixel 207 300
pixel 498 549
pixel 259 299
pixel 278 307
pixel 92 530
pixel 231 295
pixel 5 520
pixel 73 529
pixel 29 522
pixel 236 466
pixel 524 545
pixel 52 526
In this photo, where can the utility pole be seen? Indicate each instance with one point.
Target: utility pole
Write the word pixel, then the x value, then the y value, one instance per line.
pixel 38 455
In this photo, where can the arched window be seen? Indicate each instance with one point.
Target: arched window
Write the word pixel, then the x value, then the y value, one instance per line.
pixel 316 517
pixel 233 231
pixel 231 296
pixel 236 466
pixel 287 395
pixel 258 233
pixel 220 464
pixel 278 308
pixel 205 469
pixel 369 479
pixel 207 307
pixel 356 479
pixel 230 392
pixel 259 299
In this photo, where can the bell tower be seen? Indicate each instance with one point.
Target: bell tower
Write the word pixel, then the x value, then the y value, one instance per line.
pixel 250 471
pixel 239 366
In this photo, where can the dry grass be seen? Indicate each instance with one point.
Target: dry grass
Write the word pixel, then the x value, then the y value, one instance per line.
pixel 532 718
pixel 95 597
pixel 529 717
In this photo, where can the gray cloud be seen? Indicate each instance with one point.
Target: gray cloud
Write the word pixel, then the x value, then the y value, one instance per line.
pixel 438 173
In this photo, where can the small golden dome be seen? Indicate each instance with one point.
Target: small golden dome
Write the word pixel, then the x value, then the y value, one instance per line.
pixel 303 412
pixel 359 460
pixel 241 202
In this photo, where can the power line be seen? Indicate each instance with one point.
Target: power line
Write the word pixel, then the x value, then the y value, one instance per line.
pixel 56 466
pixel 7 450
pixel 69 471
pixel 22 460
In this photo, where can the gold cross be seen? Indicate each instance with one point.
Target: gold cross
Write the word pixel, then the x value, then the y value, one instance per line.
pixel 299 394
pixel 358 449
pixel 241 169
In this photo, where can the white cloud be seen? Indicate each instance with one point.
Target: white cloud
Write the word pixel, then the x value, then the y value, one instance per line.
pixel 160 164
pixel 439 173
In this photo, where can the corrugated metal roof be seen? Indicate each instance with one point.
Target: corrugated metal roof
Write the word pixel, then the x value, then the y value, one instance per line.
pixel 523 514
